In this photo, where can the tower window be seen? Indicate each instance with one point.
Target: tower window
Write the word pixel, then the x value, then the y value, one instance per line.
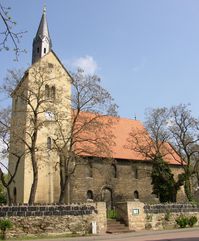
pixel 47 91
pixel 49 143
pixel 15 195
pixel 37 50
pixel 44 50
pixel 50 65
pixel 53 92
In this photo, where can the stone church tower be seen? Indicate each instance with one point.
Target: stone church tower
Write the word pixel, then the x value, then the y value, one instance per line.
pixel 44 88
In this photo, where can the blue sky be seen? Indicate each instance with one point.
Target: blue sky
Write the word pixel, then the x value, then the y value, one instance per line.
pixel 145 51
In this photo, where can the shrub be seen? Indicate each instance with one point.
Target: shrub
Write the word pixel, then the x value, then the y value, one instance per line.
pixel 182 221
pixel 167 216
pixel 4 225
pixel 112 214
pixel 192 220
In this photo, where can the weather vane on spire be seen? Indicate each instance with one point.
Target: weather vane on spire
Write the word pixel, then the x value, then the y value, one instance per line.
pixel 44 9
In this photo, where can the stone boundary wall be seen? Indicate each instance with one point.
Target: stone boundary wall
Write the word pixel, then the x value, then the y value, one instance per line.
pixel 55 219
pixel 172 208
pixel 46 210
pixel 140 216
pixel 163 216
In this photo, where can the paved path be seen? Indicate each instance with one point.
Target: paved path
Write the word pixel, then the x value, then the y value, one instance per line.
pixel 168 235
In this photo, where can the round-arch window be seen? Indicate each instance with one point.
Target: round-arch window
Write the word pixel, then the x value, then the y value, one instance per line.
pixel 49 143
pixel 114 170
pixel 15 195
pixel 89 172
pixel 53 92
pixel 47 91
pixel 90 194
pixel 15 191
pixel 136 195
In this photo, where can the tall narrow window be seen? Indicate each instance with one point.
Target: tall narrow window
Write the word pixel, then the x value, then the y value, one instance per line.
pixel 89 194
pixel 89 171
pixel 135 173
pixel 53 92
pixel 49 143
pixel 136 194
pixel 37 50
pixel 114 170
pixel 47 91
pixel 15 195
pixel 44 50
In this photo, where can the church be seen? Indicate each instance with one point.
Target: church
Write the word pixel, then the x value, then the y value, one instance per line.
pixel 120 175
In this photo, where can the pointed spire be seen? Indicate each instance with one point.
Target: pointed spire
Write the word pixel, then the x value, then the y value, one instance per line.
pixel 42 42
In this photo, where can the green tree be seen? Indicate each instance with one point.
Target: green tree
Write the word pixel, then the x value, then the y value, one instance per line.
pixel 3 198
pixel 164 185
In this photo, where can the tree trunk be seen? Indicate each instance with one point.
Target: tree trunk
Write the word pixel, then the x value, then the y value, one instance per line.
pixel 188 190
pixel 63 191
pixel 9 196
pixel 35 178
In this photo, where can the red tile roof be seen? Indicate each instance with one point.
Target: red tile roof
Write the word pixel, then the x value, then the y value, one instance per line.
pixel 120 130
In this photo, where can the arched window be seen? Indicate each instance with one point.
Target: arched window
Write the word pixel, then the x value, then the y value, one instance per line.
pixel 53 92
pixel 49 143
pixel 136 195
pixel 15 195
pixel 89 194
pixel 47 91
pixel 135 172
pixel 114 170
pixel 89 170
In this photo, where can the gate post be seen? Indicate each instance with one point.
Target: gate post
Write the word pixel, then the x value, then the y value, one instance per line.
pixel 136 215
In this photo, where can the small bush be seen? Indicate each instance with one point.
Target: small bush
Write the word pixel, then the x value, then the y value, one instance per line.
pixel 112 214
pixel 182 221
pixel 4 225
pixel 167 216
pixel 192 220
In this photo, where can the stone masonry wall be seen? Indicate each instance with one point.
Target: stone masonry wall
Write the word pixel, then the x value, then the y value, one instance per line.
pixel 131 176
pixel 163 216
pixel 48 219
pixel 140 216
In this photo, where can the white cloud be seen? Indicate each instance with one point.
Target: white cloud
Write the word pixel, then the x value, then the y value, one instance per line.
pixel 87 63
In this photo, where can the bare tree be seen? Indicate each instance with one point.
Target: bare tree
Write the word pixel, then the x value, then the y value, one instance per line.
pixel 152 142
pixel 86 131
pixel 184 129
pixel 8 37
pixel 6 176
pixel 79 121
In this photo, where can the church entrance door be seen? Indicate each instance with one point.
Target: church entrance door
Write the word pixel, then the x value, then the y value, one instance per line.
pixel 107 197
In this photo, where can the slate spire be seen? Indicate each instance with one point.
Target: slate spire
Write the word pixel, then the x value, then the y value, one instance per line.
pixel 42 42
